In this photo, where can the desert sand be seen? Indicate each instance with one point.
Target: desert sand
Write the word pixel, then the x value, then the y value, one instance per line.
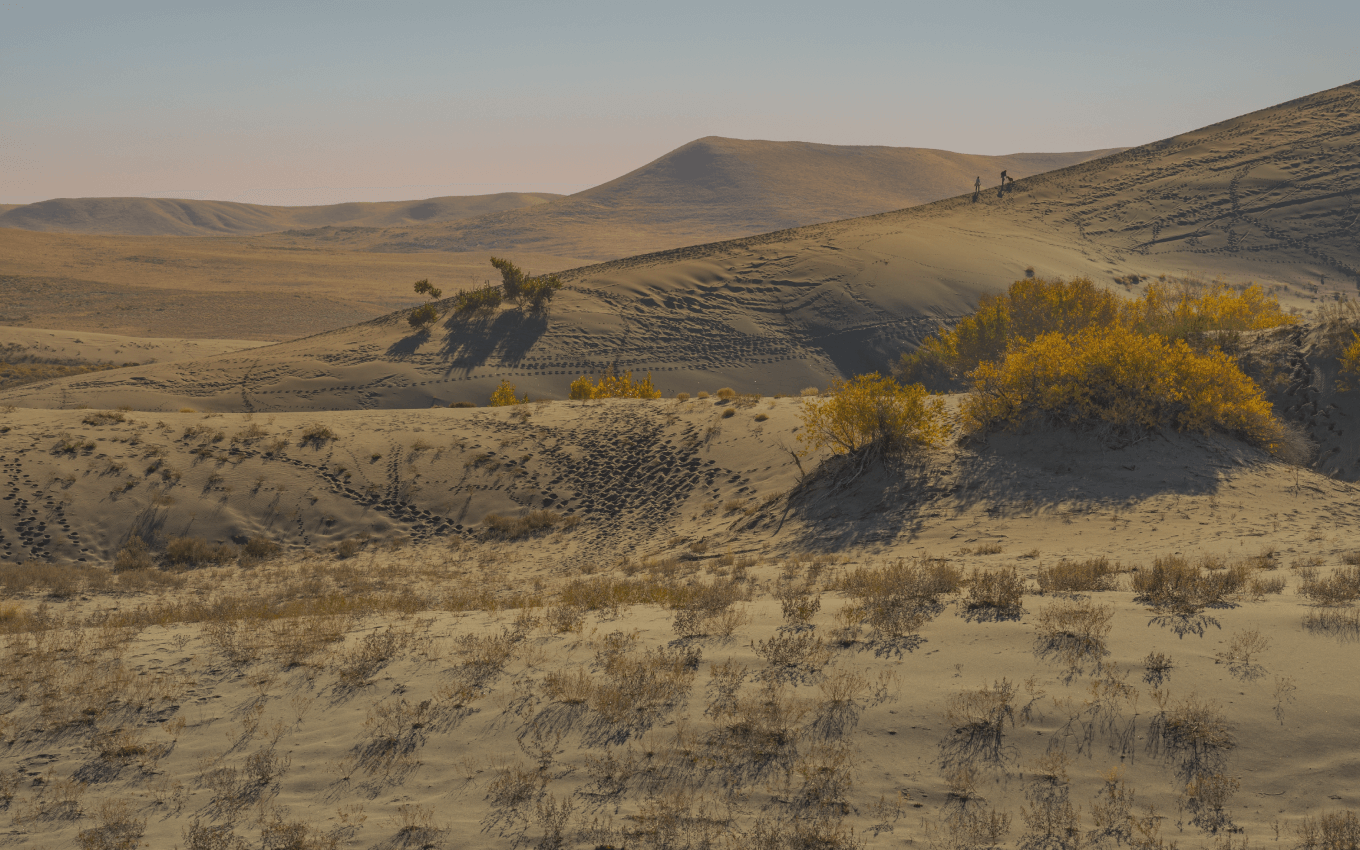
pixel 367 619
pixel 411 716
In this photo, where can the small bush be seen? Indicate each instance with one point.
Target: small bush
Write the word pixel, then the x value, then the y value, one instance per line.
pixel 682 396
pixel 1176 585
pixel 809 392
pixel 107 417
pixel 1342 587
pixel 513 528
pixel 197 552
pixel 1088 576
pixel 727 393
pixel 423 316
pixel 729 413
pixel 504 395
pixel 997 590
pixel 872 410
pixel 133 556
pixel 1349 376
pixel 1073 630
pixel 897 599
pixel 527 292
pixel 260 548
pixel 462 404
pixel 316 434
pixel 702 394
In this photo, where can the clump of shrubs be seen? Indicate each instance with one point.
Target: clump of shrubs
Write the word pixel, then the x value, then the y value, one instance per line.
pixel 872 410
pixel 534 522
pixel 615 386
pixel 1129 383
pixel 1179 586
pixel 188 552
pixel 1201 315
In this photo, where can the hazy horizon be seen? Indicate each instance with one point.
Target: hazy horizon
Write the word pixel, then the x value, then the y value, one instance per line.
pixel 318 104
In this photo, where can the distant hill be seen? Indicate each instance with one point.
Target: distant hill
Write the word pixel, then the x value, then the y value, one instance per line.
pixel 713 189
pixel 173 217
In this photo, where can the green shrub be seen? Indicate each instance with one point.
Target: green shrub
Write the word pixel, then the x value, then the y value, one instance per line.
pixel 484 300
pixel 423 316
pixel 525 291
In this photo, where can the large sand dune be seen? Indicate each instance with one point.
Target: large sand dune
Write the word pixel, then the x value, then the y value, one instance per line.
pixel 179 217
pixel 716 188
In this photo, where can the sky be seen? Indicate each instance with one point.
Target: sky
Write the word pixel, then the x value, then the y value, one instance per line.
pixel 314 103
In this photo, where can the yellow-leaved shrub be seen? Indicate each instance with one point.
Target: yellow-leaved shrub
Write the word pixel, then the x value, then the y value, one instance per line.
pixel 1201 315
pixel 872 409
pixel 614 386
pixel 504 395
pixel 1349 377
pixel 1134 383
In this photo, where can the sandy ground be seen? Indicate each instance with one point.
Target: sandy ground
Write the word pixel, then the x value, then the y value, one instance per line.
pixel 435 725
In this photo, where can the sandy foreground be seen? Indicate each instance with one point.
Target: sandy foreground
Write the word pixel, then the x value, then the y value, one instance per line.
pixel 397 677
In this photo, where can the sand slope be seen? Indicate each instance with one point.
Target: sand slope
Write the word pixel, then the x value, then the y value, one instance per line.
pixel 176 217
pixel 718 188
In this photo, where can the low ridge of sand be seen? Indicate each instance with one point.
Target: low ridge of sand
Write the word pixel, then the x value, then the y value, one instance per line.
pixel 178 217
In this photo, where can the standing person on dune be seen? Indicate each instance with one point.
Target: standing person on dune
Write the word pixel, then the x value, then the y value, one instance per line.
pixel 977 186
pixel 1003 181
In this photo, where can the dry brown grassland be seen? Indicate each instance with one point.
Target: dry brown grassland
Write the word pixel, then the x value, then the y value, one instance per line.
pixel 649 703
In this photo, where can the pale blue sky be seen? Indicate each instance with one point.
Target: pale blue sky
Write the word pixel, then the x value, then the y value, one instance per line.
pixel 304 102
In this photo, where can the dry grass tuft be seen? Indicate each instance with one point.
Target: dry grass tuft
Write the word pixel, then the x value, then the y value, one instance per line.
pixel 1339 830
pixel 1090 576
pixel 534 522
pixel 1074 631
pixel 998 592
pixel 1342 587
pixel 898 598
pixel 1176 585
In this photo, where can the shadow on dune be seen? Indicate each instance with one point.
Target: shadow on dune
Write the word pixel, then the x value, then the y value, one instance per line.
pixel 472 340
pixel 847 501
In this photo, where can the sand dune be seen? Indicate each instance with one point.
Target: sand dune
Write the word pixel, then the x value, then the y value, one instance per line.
pixel 176 217
pixel 785 310
pixel 717 188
